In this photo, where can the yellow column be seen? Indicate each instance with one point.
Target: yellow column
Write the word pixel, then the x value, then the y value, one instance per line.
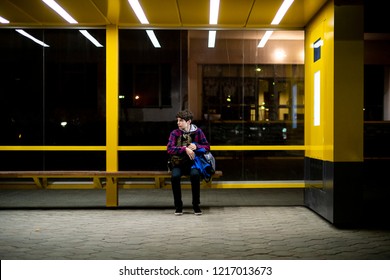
pixel 334 95
pixel 112 84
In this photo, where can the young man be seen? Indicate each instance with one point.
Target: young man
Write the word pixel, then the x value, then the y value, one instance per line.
pixel 181 146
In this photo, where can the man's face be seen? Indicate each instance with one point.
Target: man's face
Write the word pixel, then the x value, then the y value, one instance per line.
pixel 183 124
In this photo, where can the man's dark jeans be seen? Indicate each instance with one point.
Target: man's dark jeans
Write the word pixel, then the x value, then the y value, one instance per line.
pixel 177 173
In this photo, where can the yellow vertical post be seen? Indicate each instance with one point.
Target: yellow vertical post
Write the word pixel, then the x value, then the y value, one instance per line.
pixel 112 84
pixel 334 98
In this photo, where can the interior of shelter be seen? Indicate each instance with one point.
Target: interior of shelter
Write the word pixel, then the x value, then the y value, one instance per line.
pixel 307 108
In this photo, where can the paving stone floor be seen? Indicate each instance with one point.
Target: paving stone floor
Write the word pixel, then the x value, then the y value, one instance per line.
pixel 236 224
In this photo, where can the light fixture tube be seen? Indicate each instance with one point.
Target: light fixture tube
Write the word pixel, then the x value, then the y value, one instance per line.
pixel 91 38
pixel 282 11
pixel 3 20
pixel 214 10
pixel 212 35
pixel 24 33
pixel 138 11
pixel 265 38
pixel 64 14
pixel 153 38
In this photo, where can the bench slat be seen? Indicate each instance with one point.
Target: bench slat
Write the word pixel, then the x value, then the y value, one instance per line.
pixel 88 174
pixel 40 179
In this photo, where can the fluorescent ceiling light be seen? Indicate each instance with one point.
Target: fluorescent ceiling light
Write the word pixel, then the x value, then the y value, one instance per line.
pixel 214 10
pixel 212 35
pixel 91 38
pixel 52 4
pixel 153 38
pixel 24 33
pixel 265 38
pixel 282 11
pixel 278 17
pixel 3 20
pixel 138 11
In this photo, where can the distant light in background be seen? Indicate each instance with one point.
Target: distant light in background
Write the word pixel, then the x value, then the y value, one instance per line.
pixel 91 38
pixel 63 124
pixel 280 54
pixel 153 38
pixel 139 12
pixel 24 33
pixel 64 14
pixel 229 99
pixel 3 20
pixel 212 36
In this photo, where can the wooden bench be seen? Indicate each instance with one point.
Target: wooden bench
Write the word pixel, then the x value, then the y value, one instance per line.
pixel 109 180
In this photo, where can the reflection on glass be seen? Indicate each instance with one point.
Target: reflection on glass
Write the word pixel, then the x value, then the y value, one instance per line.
pixel 55 95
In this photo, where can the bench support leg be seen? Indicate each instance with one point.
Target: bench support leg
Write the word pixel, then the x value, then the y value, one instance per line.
pixel 97 183
pixel 159 182
pixel 111 192
pixel 40 183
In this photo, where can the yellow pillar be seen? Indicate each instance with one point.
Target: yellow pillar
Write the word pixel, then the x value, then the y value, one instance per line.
pixel 334 64
pixel 112 84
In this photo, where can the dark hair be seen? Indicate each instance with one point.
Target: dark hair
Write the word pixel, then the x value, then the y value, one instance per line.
pixel 185 115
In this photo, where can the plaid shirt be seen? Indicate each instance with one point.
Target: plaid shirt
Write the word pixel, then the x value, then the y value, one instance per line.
pixel 198 138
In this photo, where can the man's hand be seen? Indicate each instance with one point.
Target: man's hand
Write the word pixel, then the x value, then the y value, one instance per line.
pixel 192 146
pixel 190 153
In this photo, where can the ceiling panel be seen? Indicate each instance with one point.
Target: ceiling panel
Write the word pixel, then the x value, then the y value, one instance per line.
pixel 263 13
pixel 36 12
pixel 160 13
pixel 15 15
pixel 234 13
pixel 127 16
pixel 194 13
pixel 84 11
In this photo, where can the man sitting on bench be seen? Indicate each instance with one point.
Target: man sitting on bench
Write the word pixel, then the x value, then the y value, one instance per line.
pixel 182 143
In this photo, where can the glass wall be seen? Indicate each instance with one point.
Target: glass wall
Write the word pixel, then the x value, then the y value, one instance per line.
pixel 55 95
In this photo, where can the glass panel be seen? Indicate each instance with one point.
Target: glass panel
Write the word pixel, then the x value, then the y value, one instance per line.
pixel 250 95
pixel 52 95
pixel 234 87
pixel 140 160
pixel 260 165
pixel 148 75
pixel 21 92
pixel 235 165
pixel 75 74
pixel 51 160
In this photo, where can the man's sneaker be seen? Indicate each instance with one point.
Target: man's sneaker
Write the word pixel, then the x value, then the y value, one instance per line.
pixel 197 210
pixel 178 211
